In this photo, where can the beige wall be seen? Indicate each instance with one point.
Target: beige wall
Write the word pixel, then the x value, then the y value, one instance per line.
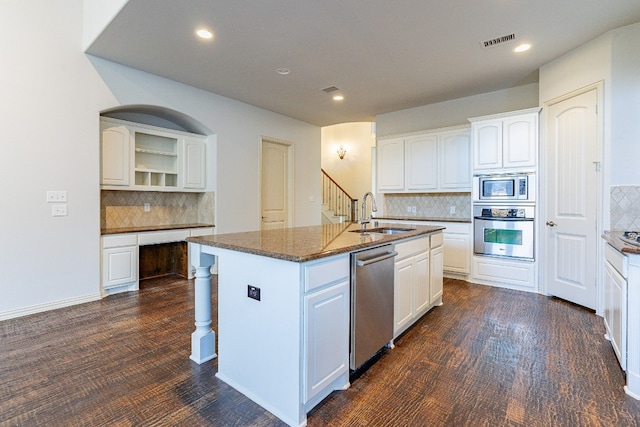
pixel 353 173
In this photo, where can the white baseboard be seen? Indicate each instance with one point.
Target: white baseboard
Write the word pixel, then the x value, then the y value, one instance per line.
pixel 39 308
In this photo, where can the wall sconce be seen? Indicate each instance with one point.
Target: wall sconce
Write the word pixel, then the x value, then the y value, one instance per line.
pixel 341 152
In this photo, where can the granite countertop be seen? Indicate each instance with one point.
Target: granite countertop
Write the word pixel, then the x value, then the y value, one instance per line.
pixel 613 238
pixel 301 244
pixel 415 218
pixel 122 230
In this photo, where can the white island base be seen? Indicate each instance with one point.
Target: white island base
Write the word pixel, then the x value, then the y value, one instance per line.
pixel 286 351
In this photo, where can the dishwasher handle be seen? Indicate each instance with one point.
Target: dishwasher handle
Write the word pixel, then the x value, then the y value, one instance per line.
pixel 362 263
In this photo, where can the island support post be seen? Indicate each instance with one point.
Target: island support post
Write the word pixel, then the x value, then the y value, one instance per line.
pixel 203 339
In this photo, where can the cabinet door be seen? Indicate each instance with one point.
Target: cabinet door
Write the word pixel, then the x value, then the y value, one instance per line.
pixel 520 136
pixel 115 145
pixel 456 253
pixel 615 312
pixel 421 278
pixel 421 162
pixel 326 315
pixel 435 274
pixel 487 145
pixel 455 160
pixel 119 266
pixel 403 294
pixel 390 160
pixel 194 164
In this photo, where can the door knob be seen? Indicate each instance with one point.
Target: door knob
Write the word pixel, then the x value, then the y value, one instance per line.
pixel 551 224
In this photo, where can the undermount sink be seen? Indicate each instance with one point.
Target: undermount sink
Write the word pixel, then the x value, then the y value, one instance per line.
pixel 383 230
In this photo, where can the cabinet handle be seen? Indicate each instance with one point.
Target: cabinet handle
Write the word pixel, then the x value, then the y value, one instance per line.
pixel 551 224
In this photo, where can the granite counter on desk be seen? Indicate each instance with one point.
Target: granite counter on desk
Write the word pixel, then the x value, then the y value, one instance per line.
pixel 284 304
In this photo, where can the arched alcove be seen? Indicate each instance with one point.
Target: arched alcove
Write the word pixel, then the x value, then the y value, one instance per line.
pixel 157 116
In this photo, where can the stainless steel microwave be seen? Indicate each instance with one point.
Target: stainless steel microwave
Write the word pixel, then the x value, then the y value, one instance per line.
pixel 508 187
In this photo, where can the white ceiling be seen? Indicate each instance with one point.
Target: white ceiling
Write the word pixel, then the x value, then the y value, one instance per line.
pixel 383 55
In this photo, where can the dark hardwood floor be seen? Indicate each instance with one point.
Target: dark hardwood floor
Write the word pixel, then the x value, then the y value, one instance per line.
pixel 487 357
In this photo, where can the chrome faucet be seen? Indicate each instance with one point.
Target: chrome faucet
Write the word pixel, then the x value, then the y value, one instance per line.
pixel 363 216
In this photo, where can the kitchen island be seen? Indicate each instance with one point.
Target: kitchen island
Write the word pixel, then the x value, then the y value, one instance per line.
pixel 283 310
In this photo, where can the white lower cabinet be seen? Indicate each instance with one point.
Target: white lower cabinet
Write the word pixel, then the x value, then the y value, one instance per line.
pixel 326 315
pixel 119 263
pixel 436 278
pixel 412 291
pixel 615 303
pixel 505 273
pixel 120 255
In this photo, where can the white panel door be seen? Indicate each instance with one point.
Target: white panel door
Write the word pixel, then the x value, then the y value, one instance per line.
pixel 403 294
pixel 390 167
pixel 275 185
pixel 194 164
pixel 571 234
pixel 520 138
pixel 421 294
pixel 455 160
pixel 115 144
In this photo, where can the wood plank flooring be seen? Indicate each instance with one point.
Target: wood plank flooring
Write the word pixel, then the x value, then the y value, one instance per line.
pixel 487 357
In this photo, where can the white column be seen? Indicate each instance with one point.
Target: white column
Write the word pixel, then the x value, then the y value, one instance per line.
pixel 203 339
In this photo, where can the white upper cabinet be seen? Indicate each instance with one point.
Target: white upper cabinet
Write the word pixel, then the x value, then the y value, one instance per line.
pixel 421 162
pixel 390 164
pixel 148 158
pixel 433 161
pixel 115 144
pixel 505 141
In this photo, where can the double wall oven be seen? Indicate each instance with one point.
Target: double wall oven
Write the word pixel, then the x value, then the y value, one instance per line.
pixel 504 215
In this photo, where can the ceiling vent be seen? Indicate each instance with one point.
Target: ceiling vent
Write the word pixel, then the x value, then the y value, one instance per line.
pixel 330 89
pixel 498 40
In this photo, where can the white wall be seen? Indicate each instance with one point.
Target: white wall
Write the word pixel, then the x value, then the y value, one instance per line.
pixel 353 173
pixel 52 95
pixel 611 58
pixel 456 111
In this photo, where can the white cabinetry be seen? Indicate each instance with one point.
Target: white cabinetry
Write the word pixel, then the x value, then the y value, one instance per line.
pixel 505 141
pixel 615 302
pixel 456 246
pixel 390 164
pixel 436 261
pixel 115 144
pixel 149 158
pixel 432 161
pixel 413 294
pixel 119 263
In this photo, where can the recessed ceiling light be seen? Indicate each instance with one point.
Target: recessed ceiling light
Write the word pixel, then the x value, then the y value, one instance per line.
pixel 522 48
pixel 338 97
pixel 204 34
pixel 283 71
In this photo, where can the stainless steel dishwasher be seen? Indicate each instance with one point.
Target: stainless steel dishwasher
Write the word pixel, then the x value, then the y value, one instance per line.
pixel 371 302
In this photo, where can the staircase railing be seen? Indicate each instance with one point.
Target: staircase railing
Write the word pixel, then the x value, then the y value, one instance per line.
pixel 337 200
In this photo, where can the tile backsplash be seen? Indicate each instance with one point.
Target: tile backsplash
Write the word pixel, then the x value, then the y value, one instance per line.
pixel 429 205
pixel 625 207
pixel 126 208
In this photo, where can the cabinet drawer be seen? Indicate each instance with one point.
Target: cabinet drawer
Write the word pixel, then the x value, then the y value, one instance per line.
pixel 119 240
pixel 326 272
pixel 412 247
pixel 155 237
pixel 201 231
pixel 618 260
pixel 436 240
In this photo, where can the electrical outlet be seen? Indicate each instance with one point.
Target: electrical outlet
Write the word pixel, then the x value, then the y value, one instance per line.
pixel 413 209
pixel 253 292
pixel 408 209
pixel 147 207
pixel 452 209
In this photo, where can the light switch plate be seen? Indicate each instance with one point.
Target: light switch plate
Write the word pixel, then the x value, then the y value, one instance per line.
pixel 59 210
pixel 56 196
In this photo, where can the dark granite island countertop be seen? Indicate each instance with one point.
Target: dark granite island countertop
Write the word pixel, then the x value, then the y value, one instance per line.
pixel 301 244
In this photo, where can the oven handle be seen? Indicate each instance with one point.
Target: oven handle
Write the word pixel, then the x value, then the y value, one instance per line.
pixel 502 219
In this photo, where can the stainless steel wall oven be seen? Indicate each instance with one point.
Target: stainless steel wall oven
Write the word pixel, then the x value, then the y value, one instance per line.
pixel 504 231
